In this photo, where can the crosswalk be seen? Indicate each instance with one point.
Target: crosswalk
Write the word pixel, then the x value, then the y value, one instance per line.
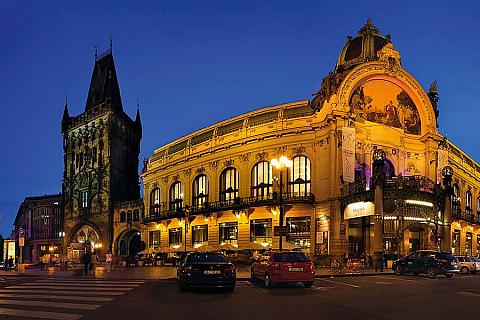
pixel 61 299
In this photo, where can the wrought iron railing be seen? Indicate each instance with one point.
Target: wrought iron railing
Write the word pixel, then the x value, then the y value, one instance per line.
pixel 466 216
pixel 236 204
pixel 417 183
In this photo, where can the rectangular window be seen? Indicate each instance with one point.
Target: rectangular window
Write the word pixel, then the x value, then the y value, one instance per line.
pixel 84 199
pixel 468 244
pixel 456 242
pixel 228 233
pixel 261 230
pixel 200 234
pixel 299 231
pixel 174 237
pixel 154 239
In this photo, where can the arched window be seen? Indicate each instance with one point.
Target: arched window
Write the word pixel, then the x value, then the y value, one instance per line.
pixel 262 182
pixel 299 179
pixel 456 198
pixel 200 191
pixel 478 211
pixel 468 202
pixel 136 215
pixel 123 216
pixel 389 169
pixel 129 215
pixel 176 196
pixel 155 206
pixel 229 184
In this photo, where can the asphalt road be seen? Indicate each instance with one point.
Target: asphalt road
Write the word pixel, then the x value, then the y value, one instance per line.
pixel 368 297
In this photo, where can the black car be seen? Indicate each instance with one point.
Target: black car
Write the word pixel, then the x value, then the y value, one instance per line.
pixel 429 262
pixel 206 270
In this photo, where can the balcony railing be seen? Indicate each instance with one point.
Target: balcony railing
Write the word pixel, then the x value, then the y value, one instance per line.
pixel 416 183
pixel 236 204
pixel 466 216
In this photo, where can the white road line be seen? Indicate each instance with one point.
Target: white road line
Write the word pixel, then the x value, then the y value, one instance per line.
pixel 83 280
pixel 343 283
pixel 40 314
pixel 28 286
pixel 63 305
pixel 256 287
pixel 42 296
pixel 81 284
pixel 396 278
pixel 383 282
pixel 70 292
pixel 468 294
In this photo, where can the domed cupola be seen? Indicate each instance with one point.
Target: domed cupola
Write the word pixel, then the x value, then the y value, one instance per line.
pixel 362 48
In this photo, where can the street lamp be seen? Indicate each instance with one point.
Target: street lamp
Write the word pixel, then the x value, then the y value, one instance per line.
pixel 186 210
pixel 280 164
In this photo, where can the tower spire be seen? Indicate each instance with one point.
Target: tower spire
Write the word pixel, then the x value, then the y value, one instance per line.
pixel 111 44
pixel 137 116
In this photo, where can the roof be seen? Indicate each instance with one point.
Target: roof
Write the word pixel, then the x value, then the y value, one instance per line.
pixel 104 86
pixel 34 201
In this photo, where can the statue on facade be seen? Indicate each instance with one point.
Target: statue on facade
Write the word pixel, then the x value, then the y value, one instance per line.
pixel 433 96
pixel 329 86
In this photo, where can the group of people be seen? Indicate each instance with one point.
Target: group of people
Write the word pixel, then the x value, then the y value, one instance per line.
pixel 364 260
pixel 88 259
pixel 9 264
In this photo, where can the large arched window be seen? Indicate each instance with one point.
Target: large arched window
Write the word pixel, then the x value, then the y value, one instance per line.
pixel 176 196
pixel 478 211
pixel 468 202
pixel 155 206
pixel 229 184
pixel 299 179
pixel 136 215
pixel 200 191
pixel 456 198
pixel 129 215
pixel 262 182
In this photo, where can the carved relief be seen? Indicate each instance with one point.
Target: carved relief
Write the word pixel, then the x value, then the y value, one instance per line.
pixel 165 179
pixel 244 157
pixel 298 150
pixel 176 177
pixel 200 170
pixel 214 165
pixel 261 156
pixel 279 151
pixel 228 163
pixel 187 172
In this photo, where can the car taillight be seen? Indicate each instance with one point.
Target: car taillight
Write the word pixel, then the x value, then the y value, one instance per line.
pixel 310 266
pixel 230 268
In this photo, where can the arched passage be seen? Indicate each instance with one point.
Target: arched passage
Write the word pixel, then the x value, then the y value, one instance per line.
pixel 129 243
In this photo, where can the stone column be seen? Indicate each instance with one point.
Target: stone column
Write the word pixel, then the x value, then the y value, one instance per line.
pixel 447 211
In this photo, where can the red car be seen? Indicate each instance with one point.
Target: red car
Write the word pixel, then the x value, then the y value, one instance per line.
pixel 284 267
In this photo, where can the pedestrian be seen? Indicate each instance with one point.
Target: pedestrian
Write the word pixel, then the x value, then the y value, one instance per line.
pixel 10 263
pixel 367 259
pixel 86 259
pixel 108 260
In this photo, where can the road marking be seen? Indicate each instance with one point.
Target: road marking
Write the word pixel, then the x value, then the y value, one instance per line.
pixel 91 281
pixel 63 305
pixel 343 283
pixel 383 282
pixel 42 296
pixel 40 314
pixel 257 287
pixel 70 292
pixel 468 294
pixel 60 284
pixel 395 278
pixel 29 286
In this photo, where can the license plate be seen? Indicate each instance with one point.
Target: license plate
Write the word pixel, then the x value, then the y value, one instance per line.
pixel 211 272
pixel 453 263
pixel 295 269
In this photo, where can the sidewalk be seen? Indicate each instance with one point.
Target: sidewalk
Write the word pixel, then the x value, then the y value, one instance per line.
pixel 162 273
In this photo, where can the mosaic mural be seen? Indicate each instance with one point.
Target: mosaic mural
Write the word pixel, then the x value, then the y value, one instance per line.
pixel 386 103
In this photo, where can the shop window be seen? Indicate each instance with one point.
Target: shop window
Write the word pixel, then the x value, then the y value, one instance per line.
pixel 229 184
pixel 154 239
pixel 456 242
pixel 468 244
pixel 123 216
pixel 174 237
pixel 299 231
pixel 261 230
pixel 200 234
pixel 176 196
pixel 262 182
pixel 155 201
pixel 468 202
pixel 299 179
pixel 200 191
pixel 228 233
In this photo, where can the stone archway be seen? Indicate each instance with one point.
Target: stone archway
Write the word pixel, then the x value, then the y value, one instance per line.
pixel 129 243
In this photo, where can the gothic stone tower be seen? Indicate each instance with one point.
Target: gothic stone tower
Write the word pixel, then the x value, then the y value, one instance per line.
pixel 101 148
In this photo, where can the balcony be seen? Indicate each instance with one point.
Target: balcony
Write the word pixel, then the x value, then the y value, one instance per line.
pixel 236 204
pixel 466 215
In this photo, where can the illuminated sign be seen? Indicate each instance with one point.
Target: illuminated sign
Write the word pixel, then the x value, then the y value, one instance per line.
pixel 359 209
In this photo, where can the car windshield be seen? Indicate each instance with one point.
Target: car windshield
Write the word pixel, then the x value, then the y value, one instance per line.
pixel 290 257
pixel 444 256
pixel 205 257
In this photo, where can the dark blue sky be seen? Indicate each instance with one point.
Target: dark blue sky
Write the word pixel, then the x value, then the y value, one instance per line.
pixel 193 63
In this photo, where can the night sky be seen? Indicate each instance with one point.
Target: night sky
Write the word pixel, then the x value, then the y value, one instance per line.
pixel 193 63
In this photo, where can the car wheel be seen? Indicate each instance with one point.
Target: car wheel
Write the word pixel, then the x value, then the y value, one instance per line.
pixel 398 270
pixel 308 284
pixel 449 275
pixel 268 281
pixel 431 272
pixel 464 270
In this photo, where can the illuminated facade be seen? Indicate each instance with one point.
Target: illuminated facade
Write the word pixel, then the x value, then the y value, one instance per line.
pixel 366 170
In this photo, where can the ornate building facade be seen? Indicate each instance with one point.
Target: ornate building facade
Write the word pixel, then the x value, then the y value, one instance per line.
pixel 101 149
pixel 365 175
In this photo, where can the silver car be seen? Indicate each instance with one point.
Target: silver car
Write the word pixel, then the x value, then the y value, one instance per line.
pixel 468 264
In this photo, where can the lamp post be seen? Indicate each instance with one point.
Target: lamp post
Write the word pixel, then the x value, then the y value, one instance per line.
pixel 280 164
pixel 186 210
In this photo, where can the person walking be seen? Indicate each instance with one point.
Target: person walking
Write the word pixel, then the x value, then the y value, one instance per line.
pixel 87 259
pixel 108 260
pixel 10 264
